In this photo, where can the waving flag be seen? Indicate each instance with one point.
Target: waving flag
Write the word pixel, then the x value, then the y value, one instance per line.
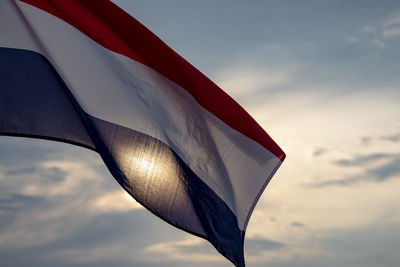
pixel 87 73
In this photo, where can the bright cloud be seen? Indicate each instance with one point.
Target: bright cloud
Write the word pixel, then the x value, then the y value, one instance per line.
pixel 317 128
pixel 189 249
pixel 117 201
pixel 239 81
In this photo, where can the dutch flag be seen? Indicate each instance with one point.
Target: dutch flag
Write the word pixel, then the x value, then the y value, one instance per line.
pixel 87 73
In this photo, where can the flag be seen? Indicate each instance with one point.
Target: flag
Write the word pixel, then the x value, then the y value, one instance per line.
pixel 87 73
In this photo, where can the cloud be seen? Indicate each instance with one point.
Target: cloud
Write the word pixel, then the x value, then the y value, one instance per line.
pixel 319 151
pixel 391 27
pixel 65 209
pixel 392 138
pixel 17 202
pixel 371 245
pixel 62 214
pixel 248 80
pixel 392 32
pixel 297 224
pixel 195 250
pixel 49 198
pixel 34 150
pixel 191 249
pixel 387 171
pixel 104 240
pixel 19 171
pixel 13 204
pixel 380 173
pixel 112 202
pixel 365 140
pixel 258 245
pixel 362 160
pixel 369 140
pixel 379 33
pixel 304 122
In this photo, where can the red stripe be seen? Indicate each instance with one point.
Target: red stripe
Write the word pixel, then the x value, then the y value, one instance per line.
pixel 113 28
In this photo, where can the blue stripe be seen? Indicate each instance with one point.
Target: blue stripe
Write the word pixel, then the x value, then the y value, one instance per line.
pixel 35 102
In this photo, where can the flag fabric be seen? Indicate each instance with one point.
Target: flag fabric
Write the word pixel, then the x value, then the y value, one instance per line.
pixel 87 73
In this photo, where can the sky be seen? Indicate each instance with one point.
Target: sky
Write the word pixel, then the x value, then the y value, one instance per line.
pixel 321 77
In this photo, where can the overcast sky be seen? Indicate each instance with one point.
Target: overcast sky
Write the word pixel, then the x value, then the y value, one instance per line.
pixel 321 77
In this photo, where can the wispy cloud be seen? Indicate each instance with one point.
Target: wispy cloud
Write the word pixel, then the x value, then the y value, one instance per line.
pixel 190 249
pixel 112 202
pixel 391 27
pixel 297 224
pixel 363 160
pixel 259 245
pixel 319 151
pixel 378 34
pixel 389 169
pixel 241 80
pixel 393 137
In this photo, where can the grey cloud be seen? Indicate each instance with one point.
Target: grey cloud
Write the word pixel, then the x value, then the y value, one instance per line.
pixel 297 224
pixel 53 173
pixel 41 257
pixel 19 171
pixel 374 245
pixel 21 151
pixel 18 202
pixel 340 182
pixel 252 246
pixel 319 151
pixel 16 179
pixel 392 138
pixel 258 245
pixel 202 248
pixel 361 160
pixel 382 173
pixel 17 151
pixel 386 171
pixel 126 232
pixel 64 220
pixel 366 140
pixel 138 229
pixel 13 205
pixel 371 246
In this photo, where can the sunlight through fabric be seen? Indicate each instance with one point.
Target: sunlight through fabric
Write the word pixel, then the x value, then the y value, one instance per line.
pixel 172 139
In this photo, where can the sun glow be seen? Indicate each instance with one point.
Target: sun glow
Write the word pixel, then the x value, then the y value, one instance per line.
pixel 145 165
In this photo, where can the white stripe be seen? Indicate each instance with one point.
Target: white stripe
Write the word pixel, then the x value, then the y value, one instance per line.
pixel 117 89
